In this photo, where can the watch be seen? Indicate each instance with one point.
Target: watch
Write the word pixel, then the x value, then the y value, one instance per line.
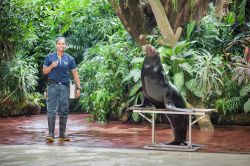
pixel 79 88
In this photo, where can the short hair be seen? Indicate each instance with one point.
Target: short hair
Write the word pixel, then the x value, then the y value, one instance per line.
pixel 61 38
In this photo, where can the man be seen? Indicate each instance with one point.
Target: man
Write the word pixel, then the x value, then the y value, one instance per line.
pixel 58 66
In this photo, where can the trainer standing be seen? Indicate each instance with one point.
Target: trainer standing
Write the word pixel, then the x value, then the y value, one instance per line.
pixel 57 66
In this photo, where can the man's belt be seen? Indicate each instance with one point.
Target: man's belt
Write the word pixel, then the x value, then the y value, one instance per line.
pixel 51 81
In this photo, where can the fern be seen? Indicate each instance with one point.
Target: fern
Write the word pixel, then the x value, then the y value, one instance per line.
pixel 245 91
pixel 232 89
pixel 136 117
pixel 231 105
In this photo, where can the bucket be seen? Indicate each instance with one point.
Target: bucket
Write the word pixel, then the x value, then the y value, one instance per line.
pixel 72 91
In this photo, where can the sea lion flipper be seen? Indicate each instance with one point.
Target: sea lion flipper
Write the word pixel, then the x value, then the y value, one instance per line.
pixel 168 103
pixel 145 102
pixel 169 106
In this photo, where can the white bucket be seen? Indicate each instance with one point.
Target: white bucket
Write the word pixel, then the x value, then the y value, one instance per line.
pixel 72 91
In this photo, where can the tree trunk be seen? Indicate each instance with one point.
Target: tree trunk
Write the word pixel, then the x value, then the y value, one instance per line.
pixel 138 17
pixel 163 23
pixel 219 8
pixel 196 102
pixel 133 15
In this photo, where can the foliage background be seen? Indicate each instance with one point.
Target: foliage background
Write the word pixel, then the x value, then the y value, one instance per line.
pixel 109 60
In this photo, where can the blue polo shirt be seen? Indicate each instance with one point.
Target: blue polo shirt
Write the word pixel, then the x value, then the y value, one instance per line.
pixel 61 73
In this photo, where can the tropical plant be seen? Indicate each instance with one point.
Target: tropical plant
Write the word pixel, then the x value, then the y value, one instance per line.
pixel 235 92
pixel 16 27
pixel 233 100
pixel 36 98
pixel 232 105
pixel 176 63
pixel 207 72
pixel 19 79
pixel 240 12
pixel 240 69
pixel 210 33
pixel 103 69
pixel 134 81
pixel 96 23
pixel 245 93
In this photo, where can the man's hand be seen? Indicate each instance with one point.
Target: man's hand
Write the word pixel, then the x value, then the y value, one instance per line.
pixel 78 93
pixel 77 81
pixel 54 64
pixel 47 70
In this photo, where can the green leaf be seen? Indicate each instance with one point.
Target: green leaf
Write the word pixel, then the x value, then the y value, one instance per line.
pixel 187 67
pixel 247 106
pixel 135 74
pixel 137 60
pixel 245 90
pixel 231 18
pixel 194 87
pixel 248 24
pixel 136 116
pixel 190 28
pixel 180 46
pixel 179 80
pixel 242 11
pixel 135 89
pixel 166 68
pixel 165 51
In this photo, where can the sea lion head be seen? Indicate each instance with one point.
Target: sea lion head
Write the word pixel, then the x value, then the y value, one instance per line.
pixel 150 51
pixel 152 57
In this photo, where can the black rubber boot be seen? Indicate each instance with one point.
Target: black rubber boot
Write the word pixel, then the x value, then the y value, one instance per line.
pixel 62 128
pixel 51 124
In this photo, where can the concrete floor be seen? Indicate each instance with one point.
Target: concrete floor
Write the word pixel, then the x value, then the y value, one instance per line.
pixel 23 143
pixel 31 155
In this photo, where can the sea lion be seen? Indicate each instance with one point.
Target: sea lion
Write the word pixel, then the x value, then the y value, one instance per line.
pixel 159 91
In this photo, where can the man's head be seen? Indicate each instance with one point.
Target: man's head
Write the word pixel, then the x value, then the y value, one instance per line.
pixel 61 44
pixel 150 51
